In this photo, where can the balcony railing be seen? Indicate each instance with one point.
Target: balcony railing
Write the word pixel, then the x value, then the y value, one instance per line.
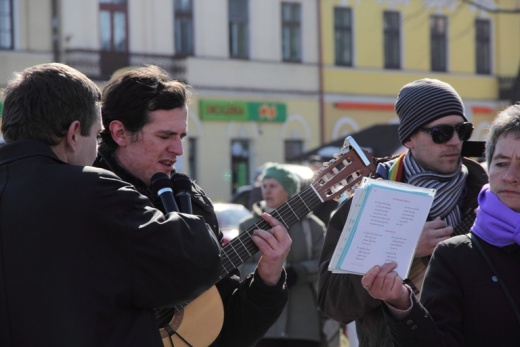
pixel 100 65
pixel 509 88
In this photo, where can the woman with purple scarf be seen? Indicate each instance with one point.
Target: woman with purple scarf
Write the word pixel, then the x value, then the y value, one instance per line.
pixel 471 292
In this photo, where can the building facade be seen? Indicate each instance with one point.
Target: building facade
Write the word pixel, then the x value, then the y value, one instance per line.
pixel 275 78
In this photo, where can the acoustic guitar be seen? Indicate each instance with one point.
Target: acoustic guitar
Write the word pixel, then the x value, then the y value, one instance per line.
pixel 418 269
pixel 198 323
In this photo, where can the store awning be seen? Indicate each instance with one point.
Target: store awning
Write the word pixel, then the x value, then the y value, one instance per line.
pixel 382 140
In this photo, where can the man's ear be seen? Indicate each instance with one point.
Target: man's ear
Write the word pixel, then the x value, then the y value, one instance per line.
pixel 73 133
pixel 409 144
pixel 118 133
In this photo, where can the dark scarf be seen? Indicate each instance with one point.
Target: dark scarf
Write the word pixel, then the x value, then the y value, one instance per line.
pixel 496 223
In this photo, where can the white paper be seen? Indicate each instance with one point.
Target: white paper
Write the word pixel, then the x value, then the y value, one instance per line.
pixel 383 225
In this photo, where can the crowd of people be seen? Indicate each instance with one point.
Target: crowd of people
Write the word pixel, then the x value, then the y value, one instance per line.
pixel 103 257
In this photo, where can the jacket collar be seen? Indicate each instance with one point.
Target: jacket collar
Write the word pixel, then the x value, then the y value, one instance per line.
pixel 26 149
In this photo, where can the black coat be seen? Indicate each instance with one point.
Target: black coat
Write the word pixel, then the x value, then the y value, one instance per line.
pixel 466 306
pixel 250 306
pixel 84 257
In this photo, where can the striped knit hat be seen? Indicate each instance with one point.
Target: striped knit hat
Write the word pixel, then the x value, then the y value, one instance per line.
pixel 423 101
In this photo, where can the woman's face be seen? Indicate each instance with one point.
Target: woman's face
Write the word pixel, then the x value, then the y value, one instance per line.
pixel 504 170
pixel 273 193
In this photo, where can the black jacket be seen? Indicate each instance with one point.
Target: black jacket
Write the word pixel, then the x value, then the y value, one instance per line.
pixel 466 306
pixel 84 258
pixel 250 307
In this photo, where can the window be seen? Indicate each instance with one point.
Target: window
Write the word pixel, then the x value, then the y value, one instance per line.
pixel 112 19
pixel 6 24
pixel 239 164
pixel 483 38
pixel 438 43
pixel 238 28
pixel 343 36
pixel 183 29
pixel 293 149
pixel 291 32
pixel 392 38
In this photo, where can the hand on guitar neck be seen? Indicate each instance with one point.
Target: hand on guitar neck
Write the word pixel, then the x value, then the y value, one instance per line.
pixel 274 245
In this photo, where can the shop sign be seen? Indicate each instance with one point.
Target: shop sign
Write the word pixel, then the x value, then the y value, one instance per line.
pixel 242 111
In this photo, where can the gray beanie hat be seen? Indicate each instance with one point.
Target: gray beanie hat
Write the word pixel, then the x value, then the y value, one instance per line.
pixel 423 101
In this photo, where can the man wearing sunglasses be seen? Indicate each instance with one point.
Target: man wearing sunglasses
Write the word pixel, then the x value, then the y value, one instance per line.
pixel 433 128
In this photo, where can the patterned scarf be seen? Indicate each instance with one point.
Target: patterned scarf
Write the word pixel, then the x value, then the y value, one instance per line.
pixel 496 223
pixel 449 186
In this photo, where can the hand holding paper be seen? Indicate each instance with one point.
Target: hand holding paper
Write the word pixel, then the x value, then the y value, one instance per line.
pixel 384 225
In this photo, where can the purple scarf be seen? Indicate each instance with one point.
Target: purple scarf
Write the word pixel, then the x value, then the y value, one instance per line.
pixel 496 223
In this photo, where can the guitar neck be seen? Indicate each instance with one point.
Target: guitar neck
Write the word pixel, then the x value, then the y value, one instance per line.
pixel 465 225
pixel 241 248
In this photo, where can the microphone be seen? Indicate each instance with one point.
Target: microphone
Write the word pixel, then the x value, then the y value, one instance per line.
pixel 182 187
pixel 161 185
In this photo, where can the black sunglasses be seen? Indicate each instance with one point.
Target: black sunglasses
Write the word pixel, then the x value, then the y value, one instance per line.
pixel 443 133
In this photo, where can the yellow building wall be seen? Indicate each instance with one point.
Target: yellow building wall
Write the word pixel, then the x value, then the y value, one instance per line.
pixel 507 41
pixel 376 88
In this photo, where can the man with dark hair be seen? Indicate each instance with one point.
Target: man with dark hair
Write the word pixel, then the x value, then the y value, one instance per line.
pixel 433 127
pixel 145 117
pixel 84 257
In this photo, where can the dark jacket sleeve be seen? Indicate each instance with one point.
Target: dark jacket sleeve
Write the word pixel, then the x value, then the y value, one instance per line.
pixel 250 306
pixel 341 296
pixel 443 295
pixel 154 245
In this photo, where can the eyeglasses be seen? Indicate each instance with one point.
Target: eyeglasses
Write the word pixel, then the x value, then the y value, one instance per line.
pixel 443 133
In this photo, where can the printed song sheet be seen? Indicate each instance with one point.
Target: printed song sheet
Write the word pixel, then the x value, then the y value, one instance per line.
pixel 383 225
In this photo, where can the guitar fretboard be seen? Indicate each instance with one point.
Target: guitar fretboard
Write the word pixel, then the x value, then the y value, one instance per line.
pixel 241 248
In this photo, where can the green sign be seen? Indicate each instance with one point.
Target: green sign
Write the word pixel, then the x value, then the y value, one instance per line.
pixel 242 111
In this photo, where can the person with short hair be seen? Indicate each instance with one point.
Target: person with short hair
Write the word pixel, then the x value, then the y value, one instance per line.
pixel 433 128
pixel 84 257
pixel 145 117
pixel 471 293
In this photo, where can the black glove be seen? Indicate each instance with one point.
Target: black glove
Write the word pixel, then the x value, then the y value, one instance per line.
pixel 291 276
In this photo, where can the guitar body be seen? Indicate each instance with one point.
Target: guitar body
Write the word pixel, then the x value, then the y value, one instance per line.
pixel 206 312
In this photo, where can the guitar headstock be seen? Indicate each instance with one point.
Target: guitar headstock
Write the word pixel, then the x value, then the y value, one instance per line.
pixel 344 171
